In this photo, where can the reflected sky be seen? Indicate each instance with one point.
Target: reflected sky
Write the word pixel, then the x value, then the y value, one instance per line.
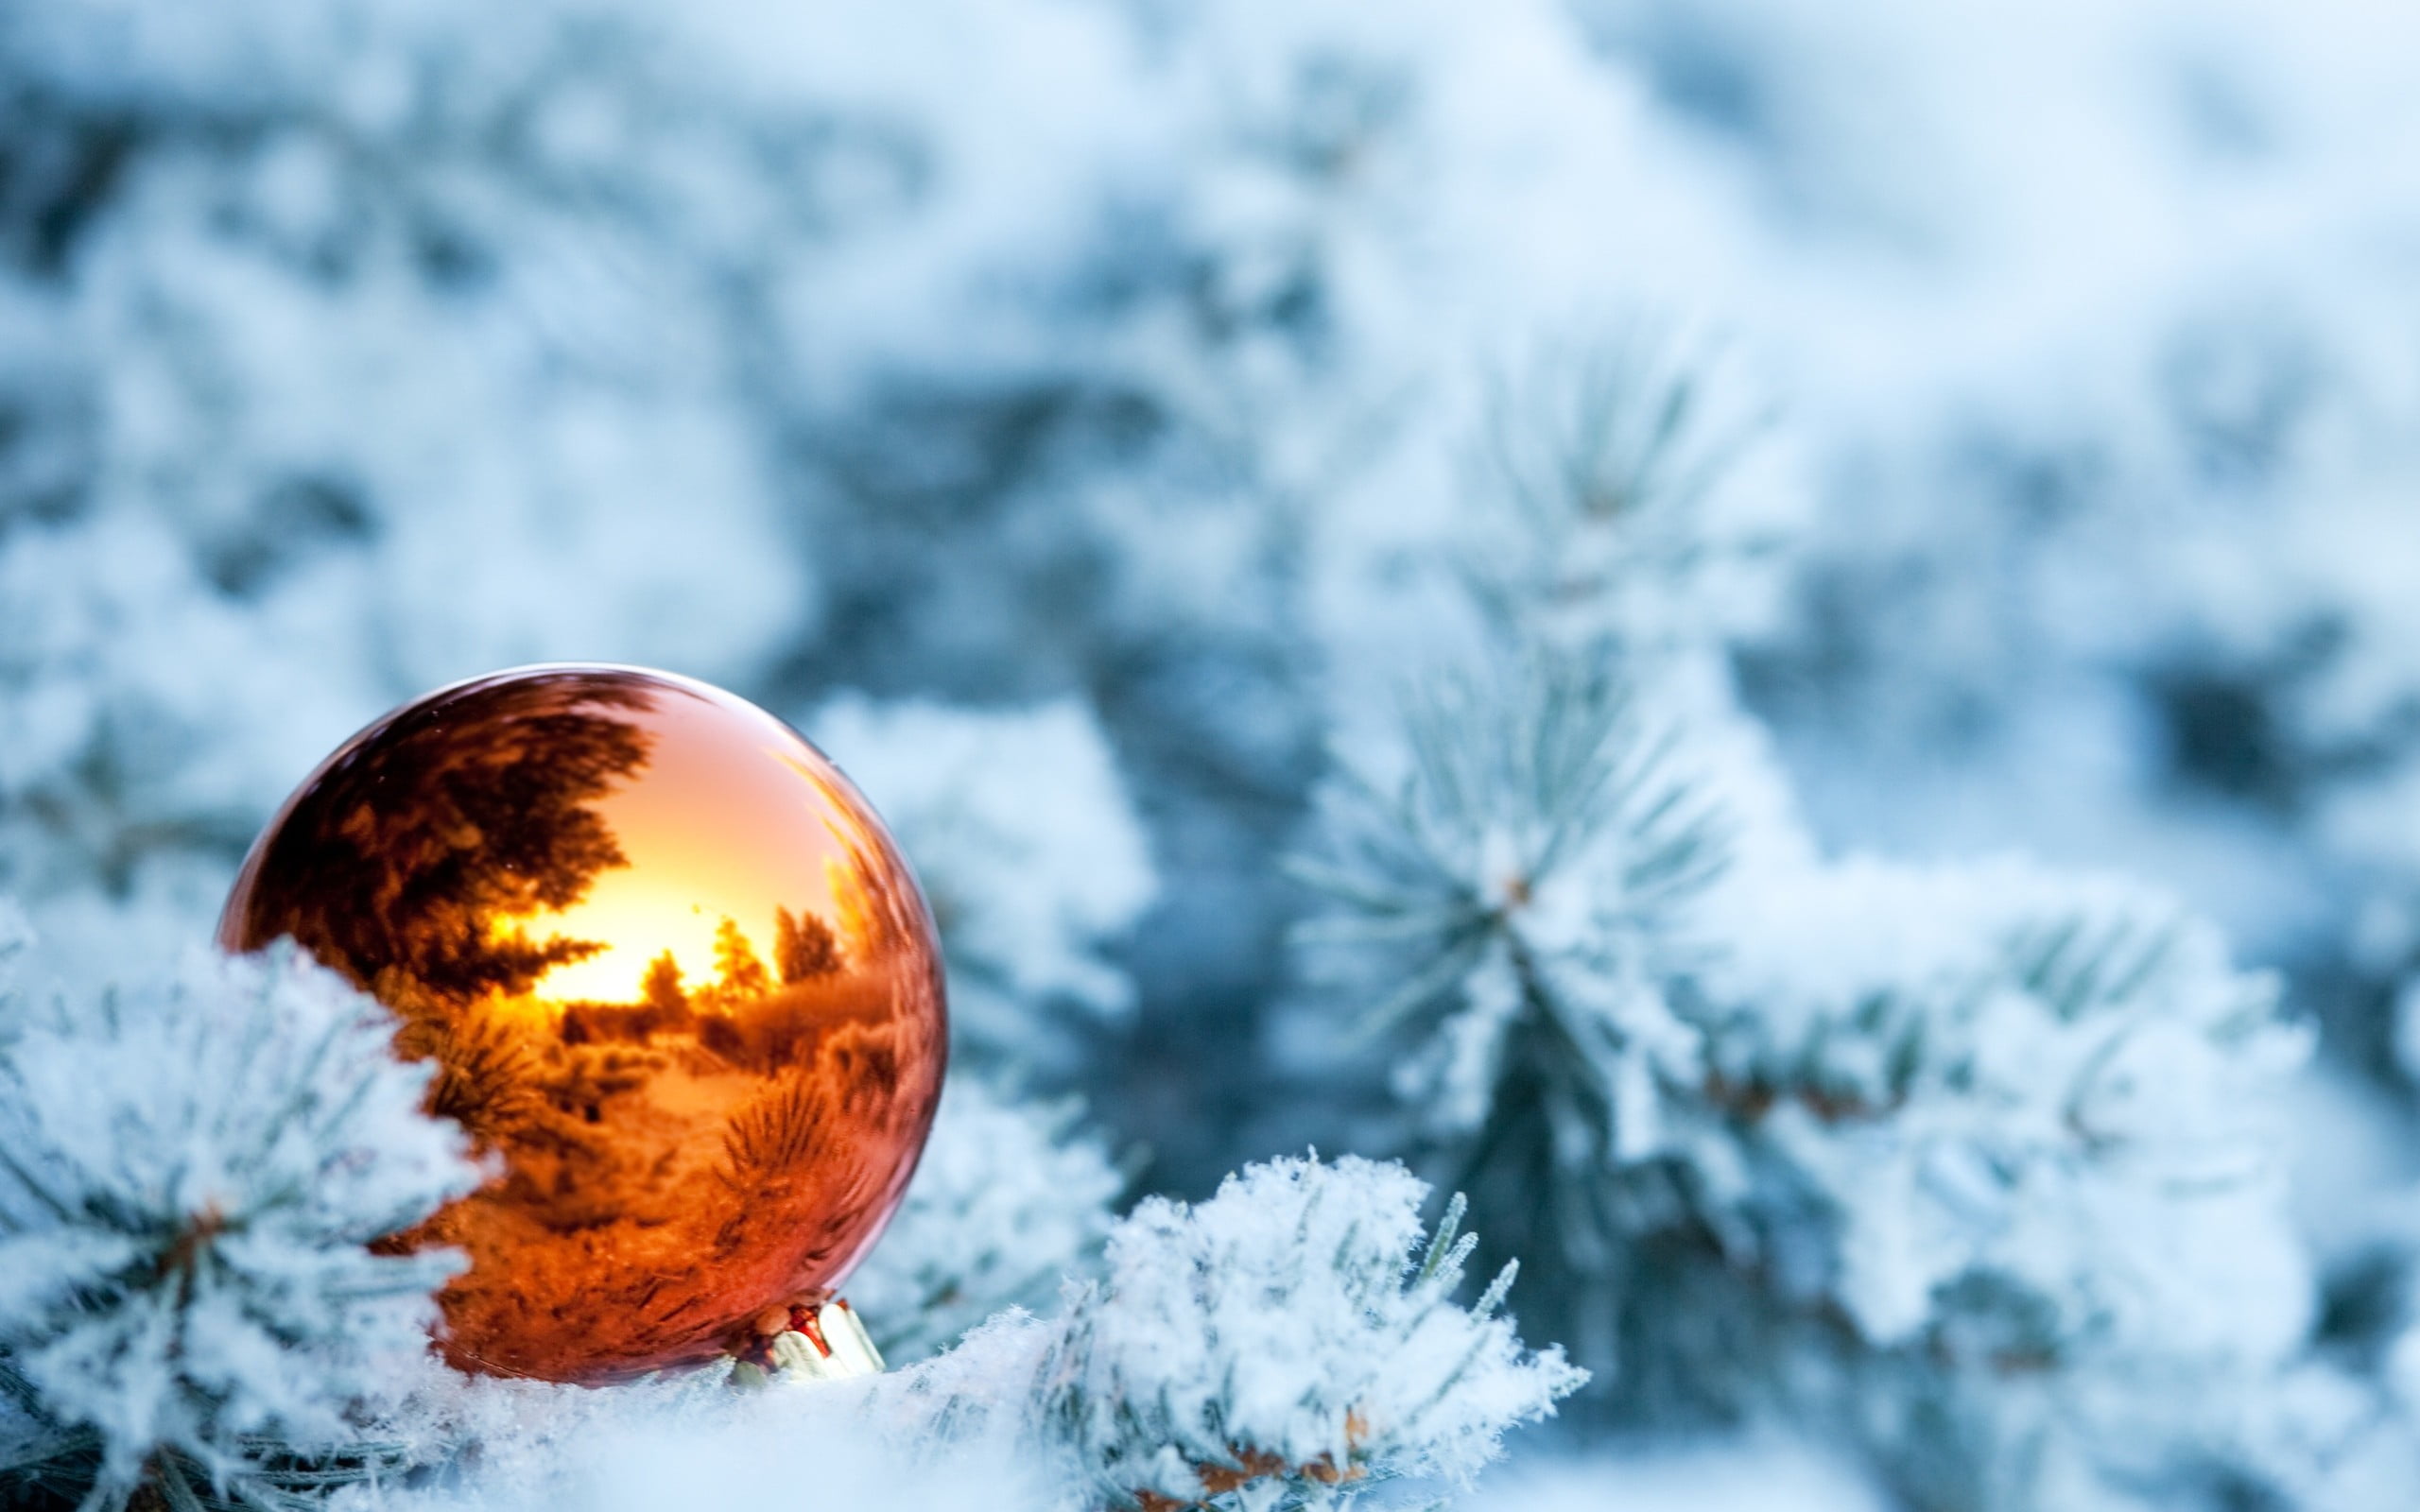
pixel 682 875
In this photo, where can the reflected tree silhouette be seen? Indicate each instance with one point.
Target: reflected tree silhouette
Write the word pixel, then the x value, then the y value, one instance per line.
pixel 486 1078
pixel 412 846
pixel 740 978
pixel 877 915
pixel 660 991
pixel 803 947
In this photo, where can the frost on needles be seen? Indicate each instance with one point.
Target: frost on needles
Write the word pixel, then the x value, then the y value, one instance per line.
pixel 1293 1341
pixel 1950 1151
pixel 193 1177
pixel 1948 1157
pixel 190 1174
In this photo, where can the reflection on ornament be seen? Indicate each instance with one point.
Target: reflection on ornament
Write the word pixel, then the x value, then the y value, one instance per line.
pixel 673 974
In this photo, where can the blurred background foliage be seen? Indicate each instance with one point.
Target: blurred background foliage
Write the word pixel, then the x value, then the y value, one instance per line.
pixel 1090 416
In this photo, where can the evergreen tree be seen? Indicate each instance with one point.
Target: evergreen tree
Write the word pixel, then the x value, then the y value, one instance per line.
pixel 660 991
pixel 740 975
pixel 805 947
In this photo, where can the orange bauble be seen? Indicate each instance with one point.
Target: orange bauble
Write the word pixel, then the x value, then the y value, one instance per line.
pixel 674 974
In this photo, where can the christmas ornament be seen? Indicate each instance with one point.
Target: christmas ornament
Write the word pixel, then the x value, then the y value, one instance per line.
pixel 674 976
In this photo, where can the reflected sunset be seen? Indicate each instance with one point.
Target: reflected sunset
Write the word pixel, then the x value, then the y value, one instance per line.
pixel 684 876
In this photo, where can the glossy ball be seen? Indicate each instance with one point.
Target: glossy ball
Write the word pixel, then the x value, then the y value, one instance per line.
pixel 675 977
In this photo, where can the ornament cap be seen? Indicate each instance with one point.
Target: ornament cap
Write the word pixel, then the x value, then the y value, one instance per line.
pixel 808 1342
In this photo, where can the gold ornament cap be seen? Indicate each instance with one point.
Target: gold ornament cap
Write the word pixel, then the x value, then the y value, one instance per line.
pixel 808 1342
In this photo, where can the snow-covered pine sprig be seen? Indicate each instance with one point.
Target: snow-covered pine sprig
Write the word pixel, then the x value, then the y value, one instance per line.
pixel 190 1177
pixel 1919 1142
pixel 1997 1124
pixel 1621 497
pixel 1290 1342
pixel 1507 907
pixel 2057 1080
pixel 1508 895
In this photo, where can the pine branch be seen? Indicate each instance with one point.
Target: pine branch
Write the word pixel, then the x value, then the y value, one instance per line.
pixel 1509 912
pixel 192 1174
pixel 1606 475
pixel 1290 1343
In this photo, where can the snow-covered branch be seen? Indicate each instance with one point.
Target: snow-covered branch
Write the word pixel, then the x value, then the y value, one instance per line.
pixel 192 1176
